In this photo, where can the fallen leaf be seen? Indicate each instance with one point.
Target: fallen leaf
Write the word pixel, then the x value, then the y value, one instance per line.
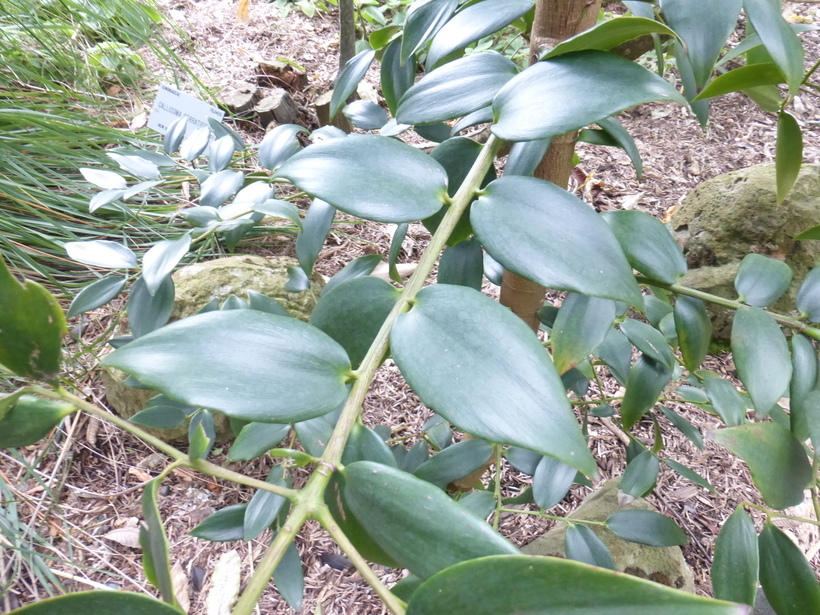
pixel 126 536
pixel 225 581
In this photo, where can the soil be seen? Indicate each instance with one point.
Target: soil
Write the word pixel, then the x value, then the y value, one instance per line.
pixel 100 470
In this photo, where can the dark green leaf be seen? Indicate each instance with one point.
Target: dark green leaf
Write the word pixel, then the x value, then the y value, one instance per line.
pixel 727 402
pixel 734 568
pixel 648 245
pixel 549 236
pixel 314 433
pixel 30 419
pixel 385 180
pixel 646 527
pixel 649 341
pixel 289 578
pixel 279 145
pixel 155 552
pixel 743 78
pixel 808 296
pixel 380 38
pixel 647 380
pixel 655 309
pixel 694 330
pixel 95 295
pixel 298 281
pixel 224 525
pixel 550 586
pixel 147 312
pixel 761 356
pixel 416 523
pixel 762 280
pixel 777 461
pixel 423 23
pixel 161 259
pixel 608 34
pixel 456 89
pixel 543 100
pixel 159 417
pixel 523 460
pixel 455 462
pixel 462 264
pixel 359 267
pixel 480 503
pixel 315 228
pixel 620 137
pixel 551 482
pixel 812 233
pixel 788 155
pixel 365 115
pixel 788 579
pixel 265 505
pixel 263 303
pixel 583 545
pixel 689 474
pixel 256 439
pixel 640 475
pixel 804 377
pixel 120 602
pixel 349 79
pixel 101 253
pixel 416 456
pixel 582 324
pixel 525 156
pixel 396 76
pixel 616 352
pixel 478 365
pixel 780 40
pixel 294 372
pixel 365 444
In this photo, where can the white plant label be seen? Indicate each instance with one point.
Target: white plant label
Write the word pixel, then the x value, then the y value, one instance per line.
pixel 171 104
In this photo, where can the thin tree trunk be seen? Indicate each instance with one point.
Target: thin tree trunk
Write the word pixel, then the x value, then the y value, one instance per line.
pixel 555 21
pixel 347 32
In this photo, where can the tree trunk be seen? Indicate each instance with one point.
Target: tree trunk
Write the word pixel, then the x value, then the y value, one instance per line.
pixel 555 21
pixel 347 33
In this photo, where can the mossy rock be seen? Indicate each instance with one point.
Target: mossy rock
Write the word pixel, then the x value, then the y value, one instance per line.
pixel 735 214
pixel 196 286
pixel 664 565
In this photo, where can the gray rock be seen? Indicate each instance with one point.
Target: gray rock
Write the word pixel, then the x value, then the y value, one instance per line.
pixel 664 565
pixel 732 215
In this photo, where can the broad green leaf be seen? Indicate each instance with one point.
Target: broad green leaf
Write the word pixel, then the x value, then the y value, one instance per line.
pixel 101 253
pixel 359 267
pixel 279 209
pixel 155 551
pixel 279 145
pixel 256 439
pixel 788 155
pixel 195 143
pixel 161 259
pixel 552 586
pixel 735 565
pixel 742 79
pixel 136 166
pixel 107 180
pixel 811 233
pixel 159 417
pixel 455 462
pixel 804 378
pixel 382 37
pixel 523 460
pixel 684 426
pixel 265 505
pixel 423 23
pixel 780 40
pixel 788 579
pixel 147 312
pixel 176 132
pixel 582 324
pixel 694 329
pixel 316 226
pixel 648 245
pixel 201 435
pixel 417 455
pixel 646 527
pixel 752 42
pixel 95 295
pixel 289 577
pixel 354 312
pixel 647 380
pixel 416 523
pixel 473 23
pixel 106 197
pixel 689 474
pixel 649 341
pixel 365 444
pixel 704 26
pixel 808 296
pixel 761 280
pixel 395 248
pixel 349 78
pixel 314 433
pixel 30 419
pixel 542 101
pixel 525 156
pixel 610 33
pixel 620 137
pixel 655 309
pixel 365 115
pixel 462 264
pixel 761 356
pixel 225 525
pixel 640 475
pixel 32 326
pixel 551 482
pixel 581 544
pixel 727 402
pixel 396 76
pixel 777 461
pixel 246 364
pixel 120 602
pixel 385 180
pixel 551 237
pixel 616 352
pixel 480 367
pixel 220 153
pixel 456 89
pixel 219 187
pixel 7 401
pixel 480 503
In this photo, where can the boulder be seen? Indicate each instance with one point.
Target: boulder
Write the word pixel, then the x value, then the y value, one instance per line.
pixel 732 215
pixel 664 565
pixel 196 286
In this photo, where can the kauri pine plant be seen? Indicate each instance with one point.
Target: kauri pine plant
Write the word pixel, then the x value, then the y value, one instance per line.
pixel 479 367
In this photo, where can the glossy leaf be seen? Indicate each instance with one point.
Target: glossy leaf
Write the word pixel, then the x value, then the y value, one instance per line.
pixel 727 402
pixel 385 180
pixel 743 79
pixel 525 156
pixel 195 143
pixel 803 382
pixel 455 462
pixel 365 115
pixel 279 145
pixel 788 155
pixel 781 42
pixel 219 187
pixel 777 461
pixel 175 134
pixel 788 579
pixel 30 420
pixel 548 586
pixel 365 444
pixel 689 474
pixel 354 312
pixel 121 602
pixel 761 356
pixel 582 324
pixel 735 565
pixel 396 76
pixel 289 577
pixel 361 266
pixel 542 101
pixel 225 525
pixel 106 197
pixel 648 245
pixel 315 228
pixel 551 482
pixel 416 523
pixel 646 527
pixel 463 354
pixel 382 37
pixel 256 439
pixel 95 295
pixel 279 209
pixel 101 253
pixel 808 296
pixel 620 137
pixel 349 79
pixel 147 312
pixel 616 352
pixel 694 329
pixel 640 475
pixel 647 380
pixel 649 341
pixel 220 153
pixel 161 259
pixel 581 544
pixel 655 309
pixel 608 34
pixel 462 264
pixel 549 236
pixel 201 435
pixel 423 23
pixel 155 551
pixel 264 505
pixel 761 280
pixel 107 180
pixel 295 371
pixel 136 166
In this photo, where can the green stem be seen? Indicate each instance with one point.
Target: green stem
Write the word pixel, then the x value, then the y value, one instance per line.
pixel 538 513
pixel 815 500
pixel 770 514
pixel 497 488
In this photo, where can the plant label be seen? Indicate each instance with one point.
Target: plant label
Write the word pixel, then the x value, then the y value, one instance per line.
pixel 171 104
